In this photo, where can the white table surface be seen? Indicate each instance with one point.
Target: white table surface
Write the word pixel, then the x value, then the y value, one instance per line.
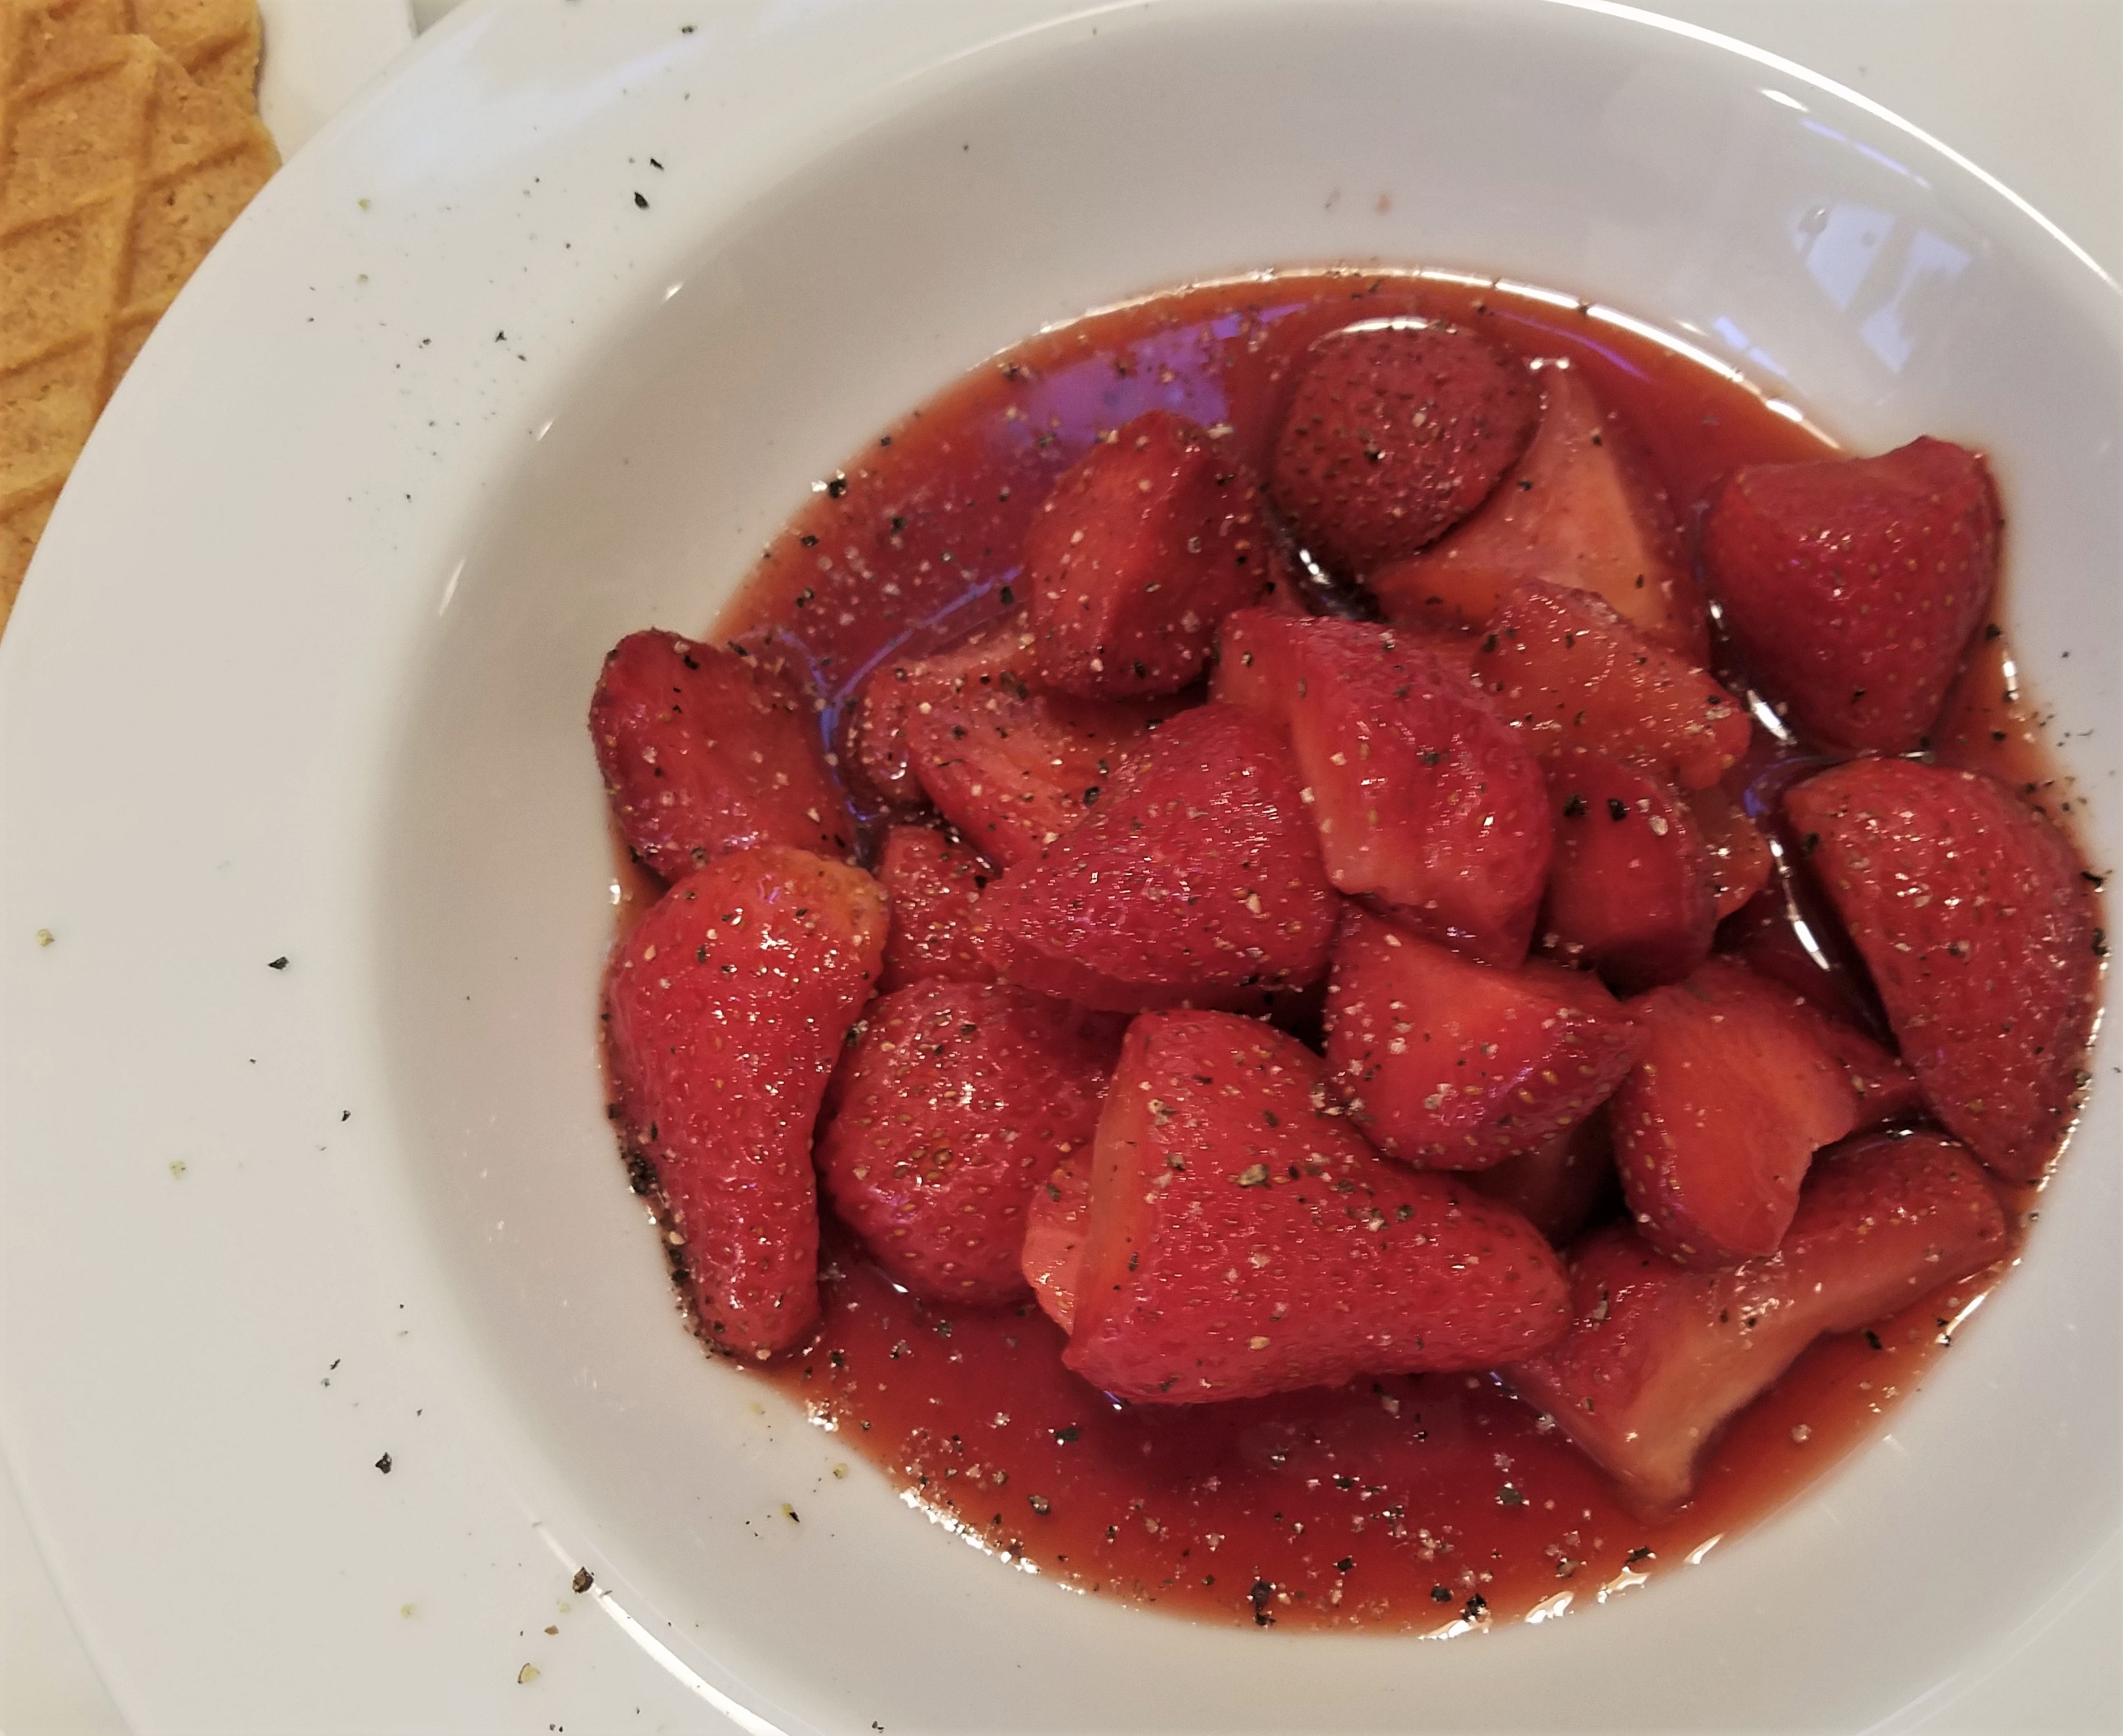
pixel 2031 89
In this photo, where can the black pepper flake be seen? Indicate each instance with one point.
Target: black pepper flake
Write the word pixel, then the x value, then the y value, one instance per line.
pixel 1574 809
pixel 836 486
pixel 1526 482
pixel 278 964
pixel 582 1582
pixel 1347 1563
pixel 1641 1552
pixel 1008 596
pixel 1617 808
pixel 1993 630
pixel 1259 1595
pixel 2101 943
pixel 346 1114
pixel 1872 1339
pixel 1065 1434
pixel 383 1464
pixel 1477 1607
pixel 640 203
pixel 1441 1595
pixel 653 164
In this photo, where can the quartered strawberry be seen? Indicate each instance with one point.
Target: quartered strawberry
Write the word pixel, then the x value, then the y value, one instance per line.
pixel 1458 1066
pixel 1632 892
pixel 1195 880
pixel 1425 799
pixel 1735 1092
pixel 1397 430
pixel 1242 1241
pixel 1054 1225
pixel 934 884
pixel 725 1009
pixel 1979 925
pixel 1657 1358
pixel 1580 510
pixel 1146 543
pixel 954 1103
pixel 1740 864
pixel 992 659
pixel 704 751
pixel 1561 1186
pixel 1852 586
pixel 1563 667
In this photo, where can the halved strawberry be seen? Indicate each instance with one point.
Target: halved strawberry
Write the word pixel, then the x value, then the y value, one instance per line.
pixel 1657 1358
pixel 1735 1092
pixel 1242 1241
pixel 1633 891
pixel 725 1009
pixel 1580 510
pixel 704 751
pixel 954 1101
pixel 1562 666
pixel 1425 799
pixel 1977 920
pixel 1195 880
pixel 1054 1226
pixel 1852 586
pixel 1146 543
pixel 1562 1185
pixel 1740 864
pixel 1397 429
pixel 933 883
pixel 1458 1066
pixel 992 659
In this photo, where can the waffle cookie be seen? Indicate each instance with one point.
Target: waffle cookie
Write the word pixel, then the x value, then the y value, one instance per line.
pixel 118 169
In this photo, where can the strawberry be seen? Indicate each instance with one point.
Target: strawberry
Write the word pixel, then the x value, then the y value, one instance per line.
pixel 1242 1240
pixel 1632 892
pixel 704 751
pixel 1566 668
pixel 1196 878
pixel 725 1009
pixel 1978 923
pixel 1561 1184
pixel 1397 430
pixel 1852 586
pixel 1146 543
pixel 1740 864
pixel 1054 1224
pixel 1735 1091
pixel 1425 799
pixel 1658 1358
pixel 994 659
pixel 952 1106
pixel 1458 1066
pixel 934 884
pixel 1580 510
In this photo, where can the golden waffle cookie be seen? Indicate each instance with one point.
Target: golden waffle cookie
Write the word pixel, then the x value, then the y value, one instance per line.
pixel 117 170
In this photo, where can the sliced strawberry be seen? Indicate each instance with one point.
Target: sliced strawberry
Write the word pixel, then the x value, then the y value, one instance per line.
pixel 1458 1066
pixel 1632 892
pixel 935 885
pixel 1852 586
pixel 1425 799
pixel 950 1108
pixel 992 659
pixel 1243 1241
pixel 1196 879
pixel 1560 1186
pixel 1713 1131
pixel 1580 510
pixel 1054 1226
pixel 1979 924
pixel 1740 864
pixel 704 751
pixel 725 1009
pixel 1658 1358
pixel 1886 1090
pixel 1146 543
pixel 1566 668
pixel 1397 430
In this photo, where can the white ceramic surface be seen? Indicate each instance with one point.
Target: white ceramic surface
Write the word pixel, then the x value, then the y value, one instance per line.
pixel 450 411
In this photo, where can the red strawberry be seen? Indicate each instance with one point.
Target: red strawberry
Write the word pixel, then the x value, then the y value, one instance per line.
pixel 1713 1131
pixel 954 1102
pixel 1562 1185
pixel 1852 586
pixel 1566 668
pixel 1425 799
pixel 1632 892
pixel 1978 923
pixel 1242 1241
pixel 725 1011
pixel 1145 544
pixel 934 884
pixel 704 751
pixel 1886 1090
pixel 1397 430
pixel 1458 1066
pixel 1196 878
pixel 994 659
pixel 1740 861
pixel 1054 1226
pixel 1581 510
pixel 1658 1358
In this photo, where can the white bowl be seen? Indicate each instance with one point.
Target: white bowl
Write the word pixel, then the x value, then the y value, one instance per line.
pixel 301 671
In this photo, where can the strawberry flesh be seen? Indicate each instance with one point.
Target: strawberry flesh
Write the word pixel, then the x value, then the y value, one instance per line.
pixel 1740 864
pixel 934 884
pixel 725 1011
pixel 1054 1224
pixel 994 659
pixel 1243 1240
pixel 1561 1185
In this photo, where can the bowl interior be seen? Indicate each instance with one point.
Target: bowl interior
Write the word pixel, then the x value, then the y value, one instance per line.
pixel 1841 264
